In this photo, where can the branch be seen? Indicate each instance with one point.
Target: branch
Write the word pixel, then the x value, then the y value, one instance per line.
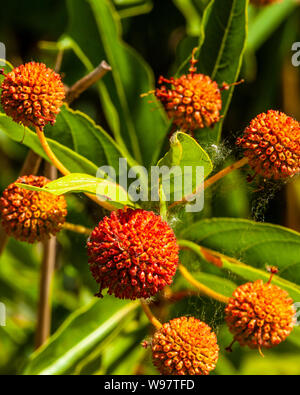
pixel 82 85
pixel 210 181
pixel 78 229
pixel 47 274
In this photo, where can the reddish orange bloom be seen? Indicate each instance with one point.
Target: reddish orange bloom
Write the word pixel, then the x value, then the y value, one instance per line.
pixel 272 144
pixel 193 101
pixel 31 216
pixel 32 94
pixel 264 2
pixel 133 253
pixel 185 346
pixel 260 315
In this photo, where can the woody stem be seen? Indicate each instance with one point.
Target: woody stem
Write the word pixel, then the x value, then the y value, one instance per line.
pixel 202 288
pixel 154 321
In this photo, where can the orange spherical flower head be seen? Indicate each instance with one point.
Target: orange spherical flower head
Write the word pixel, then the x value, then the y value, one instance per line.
pixel 193 101
pixel 264 2
pixel 260 315
pixel 185 346
pixel 32 94
pixel 30 215
pixel 133 253
pixel 272 144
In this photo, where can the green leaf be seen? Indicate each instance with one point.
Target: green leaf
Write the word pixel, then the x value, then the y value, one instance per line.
pixel 266 21
pixel 193 18
pixel 242 270
pixel 71 159
pixel 130 117
pixel 203 8
pixel 73 134
pixel 80 333
pixel 130 8
pixel 255 244
pixel 186 155
pixel 222 52
pixel 252 274
pixel 77 183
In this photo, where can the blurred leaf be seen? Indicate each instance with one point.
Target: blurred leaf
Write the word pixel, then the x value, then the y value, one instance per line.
pixel 294 337
pixel 129 8
pixel 185 154
pixel 266 21
pixel 255 244
pixel 216 283
pixel 129 116
pixel 123 355
pixel 203 8
pixel 222 52
pixel 77 183
pixel 78 335
pixel 193 18
pixel 80 133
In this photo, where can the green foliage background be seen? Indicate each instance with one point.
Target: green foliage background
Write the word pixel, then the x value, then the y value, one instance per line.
pixel 142 39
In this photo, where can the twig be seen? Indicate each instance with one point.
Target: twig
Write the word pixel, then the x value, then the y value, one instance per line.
pixel 57 163
pixel 77 229
pixel 59 60
pixel 80 86
pixel 31 165
pixel 210 181
pixel 202 288
pixel 47 273
pixel 154 321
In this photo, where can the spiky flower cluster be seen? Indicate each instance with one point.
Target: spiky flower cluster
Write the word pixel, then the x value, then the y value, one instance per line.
pixel 30 215
pixel 272 144
pixel 260 315
pixel 133 253
pixel 264 2
pixel 185 346
pixel 193 101
pixel 32 94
